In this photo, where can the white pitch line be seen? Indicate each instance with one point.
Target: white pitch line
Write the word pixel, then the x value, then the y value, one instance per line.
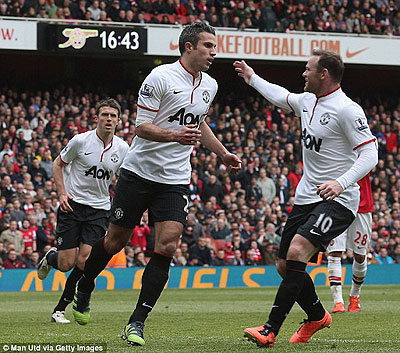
pixel 352 341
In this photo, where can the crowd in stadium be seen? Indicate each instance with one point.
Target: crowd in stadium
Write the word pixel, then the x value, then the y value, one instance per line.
pixel 338 16
pixel 233 220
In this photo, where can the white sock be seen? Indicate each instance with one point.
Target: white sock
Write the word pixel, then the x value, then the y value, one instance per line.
pixel 359 272
pixel 335 278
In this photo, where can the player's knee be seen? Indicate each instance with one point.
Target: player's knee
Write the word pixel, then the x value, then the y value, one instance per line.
pixel 167 248
pixel 359 258
pixel 113 244
pixel 281 267
pixel 65 265
pixel 80 262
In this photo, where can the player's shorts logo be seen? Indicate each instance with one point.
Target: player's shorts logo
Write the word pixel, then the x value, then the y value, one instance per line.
pixel 206 96
pixel 146 91
pixel 324 119
pixel 114 158
pixel 118 213
pixel 59 241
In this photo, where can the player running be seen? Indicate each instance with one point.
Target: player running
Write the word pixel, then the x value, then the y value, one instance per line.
pixel 173 103
pixel 356 239
pixel 93 158
pixel 337 152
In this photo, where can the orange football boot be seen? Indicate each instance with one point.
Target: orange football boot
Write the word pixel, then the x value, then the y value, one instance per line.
pixel 354 304
pixel 308 328
pixel 261 336
pixel 339 308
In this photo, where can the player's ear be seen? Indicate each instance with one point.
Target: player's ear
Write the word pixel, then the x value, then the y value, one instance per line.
pixel 188 47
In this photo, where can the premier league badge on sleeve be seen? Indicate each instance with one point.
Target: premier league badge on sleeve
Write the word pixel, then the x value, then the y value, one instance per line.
pixel 361 124
pixel 146 91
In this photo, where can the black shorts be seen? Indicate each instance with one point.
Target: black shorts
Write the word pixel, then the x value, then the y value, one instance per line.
pixel 84 225
pixel 134 195
pixel 318 222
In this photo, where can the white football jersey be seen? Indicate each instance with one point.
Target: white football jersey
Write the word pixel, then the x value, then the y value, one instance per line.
pixel 170 97
pixel 92 166
pixel 333 127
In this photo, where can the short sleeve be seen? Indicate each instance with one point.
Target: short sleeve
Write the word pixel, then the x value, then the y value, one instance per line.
pixel 355 126
pixel 70 151
pixel 150 95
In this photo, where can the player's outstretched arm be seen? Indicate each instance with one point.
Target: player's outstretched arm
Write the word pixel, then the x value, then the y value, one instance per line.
pixel 243 70
pixel 58 166
pixel 277 95
pixel 188 135
pixel 209 140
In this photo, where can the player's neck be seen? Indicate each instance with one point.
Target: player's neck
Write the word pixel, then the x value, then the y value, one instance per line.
pixel 105 136
pixel 188 66
pixel 327 89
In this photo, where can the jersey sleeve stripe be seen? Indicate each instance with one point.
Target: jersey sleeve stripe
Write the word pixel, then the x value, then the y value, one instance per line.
pixel 364 143
pixel 145 108
pixel 63 161
pixel 287 101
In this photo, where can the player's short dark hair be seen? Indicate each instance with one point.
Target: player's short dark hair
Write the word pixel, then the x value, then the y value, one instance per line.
pixel 332 62
pixel 109 102
pixel 191 34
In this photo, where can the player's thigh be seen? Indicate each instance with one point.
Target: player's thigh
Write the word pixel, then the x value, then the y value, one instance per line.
pixel 68 230
pixel 296 218
pixel 131 199
pixel 95 225
pixel 170 203
pixel 326 221
pixel 359 234
pixel 339 243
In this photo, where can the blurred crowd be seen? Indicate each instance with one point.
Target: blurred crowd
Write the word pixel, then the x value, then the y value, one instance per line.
pixel 233 220
pixel 340 16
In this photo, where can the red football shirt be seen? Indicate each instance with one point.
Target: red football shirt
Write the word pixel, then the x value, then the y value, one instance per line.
pixel 366 203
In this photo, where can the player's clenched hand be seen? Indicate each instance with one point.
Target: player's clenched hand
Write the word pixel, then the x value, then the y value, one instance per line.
pixel 329 190
pixel 233 163
pixel 64 205
pixel 188 135
pixel 243 70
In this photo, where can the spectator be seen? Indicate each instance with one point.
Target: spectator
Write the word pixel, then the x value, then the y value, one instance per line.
pixel 219 260
pixel 384 258
pixel 178 259
pixel 268 254
pixel 249 259
pixel 140 260
pixel 14 236
pixel 221 230
pixel 12 262
pixel 201 252
pixel 237 259
pixel 94 10
pixel 267 185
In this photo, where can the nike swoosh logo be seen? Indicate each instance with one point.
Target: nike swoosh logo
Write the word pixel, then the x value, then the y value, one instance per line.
pixel 147 306
pixel 275 306
pixel 87 153
pixel 173 46
pixel 312 231
pixel 176 92
pixel 305 110
pixel 351 54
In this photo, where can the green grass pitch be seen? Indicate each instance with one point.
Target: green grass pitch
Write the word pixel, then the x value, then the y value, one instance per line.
pixel 203 320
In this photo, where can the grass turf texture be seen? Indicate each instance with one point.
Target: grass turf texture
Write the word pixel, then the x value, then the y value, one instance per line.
pixel 203 320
